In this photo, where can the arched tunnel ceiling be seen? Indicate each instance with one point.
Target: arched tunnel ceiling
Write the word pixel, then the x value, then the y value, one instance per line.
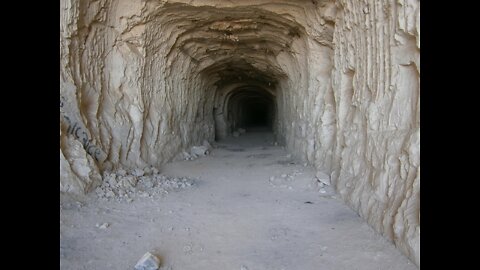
pixel 235 70
pixel 231 44
pixel 251 93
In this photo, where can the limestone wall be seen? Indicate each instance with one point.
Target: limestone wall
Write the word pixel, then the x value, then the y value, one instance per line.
pixel 376 81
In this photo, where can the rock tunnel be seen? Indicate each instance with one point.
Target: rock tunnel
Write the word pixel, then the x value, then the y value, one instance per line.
pixel 335 81
pixel 248 108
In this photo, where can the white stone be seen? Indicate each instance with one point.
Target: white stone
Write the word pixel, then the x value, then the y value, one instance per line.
pixel 112 181
pixel 207 145
pixel 199 150
pixel 138 172
pixel 121 172
pixel 132 180
pixel 148 262
pixel 148 184
pixel 147 170
pixel 322 177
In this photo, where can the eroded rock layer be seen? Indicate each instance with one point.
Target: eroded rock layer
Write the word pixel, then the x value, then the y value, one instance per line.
pixel 142 81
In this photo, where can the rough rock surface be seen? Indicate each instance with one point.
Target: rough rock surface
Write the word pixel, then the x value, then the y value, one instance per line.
pixel 125 185
pixel 142 81
pixel 78 171
pixel 376 158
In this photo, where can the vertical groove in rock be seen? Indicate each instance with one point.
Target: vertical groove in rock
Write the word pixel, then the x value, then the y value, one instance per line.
pixel 389 122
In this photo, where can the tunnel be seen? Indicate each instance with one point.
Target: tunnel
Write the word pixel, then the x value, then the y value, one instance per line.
pixel 334 83
pixel 248 108
pixel 254 111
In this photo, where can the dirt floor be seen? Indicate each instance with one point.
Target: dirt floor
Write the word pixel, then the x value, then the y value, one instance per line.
pixel 251 207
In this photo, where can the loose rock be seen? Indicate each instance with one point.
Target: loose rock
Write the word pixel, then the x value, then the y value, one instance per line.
pixel 148 262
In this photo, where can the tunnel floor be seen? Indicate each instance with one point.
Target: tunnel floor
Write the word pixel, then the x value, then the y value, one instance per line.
pixel 251 208
pixel 254 137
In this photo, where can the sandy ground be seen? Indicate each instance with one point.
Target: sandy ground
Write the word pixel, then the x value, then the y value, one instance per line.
pixel 240 214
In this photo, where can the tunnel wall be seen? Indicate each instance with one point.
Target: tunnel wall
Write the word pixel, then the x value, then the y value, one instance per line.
pixel 132 93
pixel 122 90
pixel 376 81
pixel 353 110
